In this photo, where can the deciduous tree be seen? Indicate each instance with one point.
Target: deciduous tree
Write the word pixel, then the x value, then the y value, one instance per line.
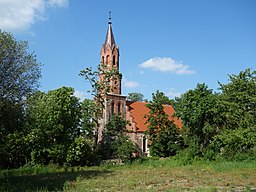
pixel 19 68
pixel 54 125
pixel 164 137
pixel 19 75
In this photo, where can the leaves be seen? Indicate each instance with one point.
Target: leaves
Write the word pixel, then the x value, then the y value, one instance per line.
pixel 55 118
pixel 224 123
pixel 135 97
pixel 163 134
pixel 20 70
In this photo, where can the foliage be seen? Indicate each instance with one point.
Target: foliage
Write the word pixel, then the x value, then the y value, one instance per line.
pixel 99 81
pixel 239 105
pixel 239 95
pixel 126 150
pixel 88 124
pixel 102 87
pixel 79 152
pixel 135 97
pixel 164 136
pixel 19 76
pixel 12 146
pixel 198 110
pixel 20 70
pixel 231 142
pixel 115 143
pixel 53 126
pixel 221 125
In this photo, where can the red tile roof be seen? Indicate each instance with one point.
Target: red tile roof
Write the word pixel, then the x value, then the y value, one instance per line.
pixel 138 111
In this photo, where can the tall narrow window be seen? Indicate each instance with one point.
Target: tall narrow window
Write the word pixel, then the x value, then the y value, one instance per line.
pixel 102 60
pixel 112 108
pixel 114 60
pixel 144 145
pixel 119 108
pixel 107 59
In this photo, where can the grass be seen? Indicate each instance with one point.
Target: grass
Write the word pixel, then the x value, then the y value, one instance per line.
pixel 151 175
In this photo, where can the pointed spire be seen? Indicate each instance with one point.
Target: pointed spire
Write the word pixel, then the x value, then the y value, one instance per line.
pixel 109 37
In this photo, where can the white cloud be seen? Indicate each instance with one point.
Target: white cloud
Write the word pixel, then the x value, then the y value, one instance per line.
pixel 173 94
pixel 130 84
pixel 80 94
pixel 166 64
pixel 19 15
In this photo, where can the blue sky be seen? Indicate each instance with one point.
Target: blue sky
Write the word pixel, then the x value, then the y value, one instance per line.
pixel 166 45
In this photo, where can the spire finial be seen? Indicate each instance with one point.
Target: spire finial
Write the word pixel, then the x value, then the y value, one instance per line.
pixel 109 17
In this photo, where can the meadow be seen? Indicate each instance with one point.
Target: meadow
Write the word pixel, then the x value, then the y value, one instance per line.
pixel 149 175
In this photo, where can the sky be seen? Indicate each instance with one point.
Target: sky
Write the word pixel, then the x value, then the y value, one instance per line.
pixel 165 45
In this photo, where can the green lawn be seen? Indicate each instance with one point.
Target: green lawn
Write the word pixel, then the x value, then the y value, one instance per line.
pixel 152 175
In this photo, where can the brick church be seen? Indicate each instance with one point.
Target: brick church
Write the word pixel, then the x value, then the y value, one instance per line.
pixel 116 103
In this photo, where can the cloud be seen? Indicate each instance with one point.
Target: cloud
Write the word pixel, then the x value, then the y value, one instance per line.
pixel 130 84
pixel 173 94
pixel 166 64
pixel 80 94
pixel 19 15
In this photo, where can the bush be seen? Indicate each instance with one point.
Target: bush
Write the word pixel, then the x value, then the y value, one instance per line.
pixel 125 151
pixel 80 152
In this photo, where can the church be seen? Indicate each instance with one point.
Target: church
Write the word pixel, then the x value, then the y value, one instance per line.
pixel 116 103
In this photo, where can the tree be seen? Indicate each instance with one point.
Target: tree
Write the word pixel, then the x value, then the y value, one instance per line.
pixel 135 97
pixel 220 124
pixel 239 95
pixel 53 125
pixel 200 115
pixel 115 142
pixel 79 152
pixel 164 136
pixel 20 70
pixel 88 111
pixel 238 101
pixel 99 89
pixel 19 77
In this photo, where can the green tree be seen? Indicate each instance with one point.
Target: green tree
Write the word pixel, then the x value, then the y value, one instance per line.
pixel 99 89
pixel 115 142
pixel 238 104
pixel 88 111
pixel 19 76
pixel 240 96
pixel 20 70
pixel 200 115
pixel 80 152
pixel 54 125
pixel 135 97
pixel 165 139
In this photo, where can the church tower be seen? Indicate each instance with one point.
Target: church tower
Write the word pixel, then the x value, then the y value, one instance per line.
pixel 110 59
pixel 115 103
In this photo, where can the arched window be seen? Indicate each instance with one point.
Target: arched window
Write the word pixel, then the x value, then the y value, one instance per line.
pixel 119 108
pixel 107 59
pixel 102 59
pixel 114 60
pixel 112 108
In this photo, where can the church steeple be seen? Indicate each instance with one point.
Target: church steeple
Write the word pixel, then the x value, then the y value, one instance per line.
pixel 110 58
pixel 114 101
